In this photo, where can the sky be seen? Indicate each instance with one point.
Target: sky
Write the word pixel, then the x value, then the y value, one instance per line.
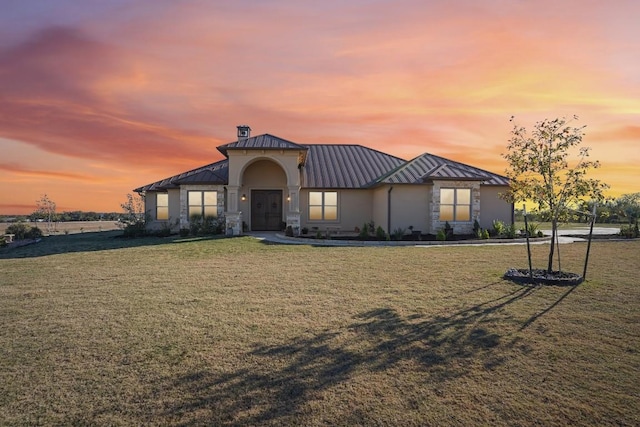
pixel 98 97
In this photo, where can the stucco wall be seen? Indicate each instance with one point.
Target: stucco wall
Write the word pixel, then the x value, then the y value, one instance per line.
pixel 493 207
pixel 380 211
pixel 174 210
pixel 409 207
pixel 354 209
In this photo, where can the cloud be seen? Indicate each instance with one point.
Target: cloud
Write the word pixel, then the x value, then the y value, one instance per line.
pixel 22 171
pixel 54 97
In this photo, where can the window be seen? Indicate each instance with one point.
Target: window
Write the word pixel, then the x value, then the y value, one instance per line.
pixel 323 205
pixel 162 206
pixel 203 203
pixel 455 204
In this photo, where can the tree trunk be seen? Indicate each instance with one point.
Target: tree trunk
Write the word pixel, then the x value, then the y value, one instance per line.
pixel 554 230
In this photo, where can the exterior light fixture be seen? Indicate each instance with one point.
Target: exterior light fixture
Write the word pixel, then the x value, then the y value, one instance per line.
pixel 244 197
pixel 288 197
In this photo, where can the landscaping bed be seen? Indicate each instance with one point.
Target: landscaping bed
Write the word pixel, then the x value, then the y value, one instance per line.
pixel 543 277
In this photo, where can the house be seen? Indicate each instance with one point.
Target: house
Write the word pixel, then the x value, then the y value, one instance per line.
pixel 266 183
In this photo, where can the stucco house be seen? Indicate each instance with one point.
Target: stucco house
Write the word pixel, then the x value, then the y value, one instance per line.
pixel 266 183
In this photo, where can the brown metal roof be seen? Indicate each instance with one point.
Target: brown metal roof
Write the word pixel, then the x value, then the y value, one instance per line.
pixel 214 173
pixel 428 167
pixel 338 166
pixel 263 142
pixel 345 166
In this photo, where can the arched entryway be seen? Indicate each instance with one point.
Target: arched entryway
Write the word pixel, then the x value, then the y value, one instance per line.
pixel 264 186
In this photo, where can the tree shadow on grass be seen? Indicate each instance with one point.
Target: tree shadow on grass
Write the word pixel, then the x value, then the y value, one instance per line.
pixel 281 381
pixel 548 309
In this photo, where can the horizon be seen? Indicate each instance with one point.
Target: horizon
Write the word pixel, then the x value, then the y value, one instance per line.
pixel 101 98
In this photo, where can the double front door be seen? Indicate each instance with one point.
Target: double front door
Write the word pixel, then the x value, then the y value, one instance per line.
pixel 266 210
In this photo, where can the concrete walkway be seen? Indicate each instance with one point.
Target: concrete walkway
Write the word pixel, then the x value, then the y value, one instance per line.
pixel 563 238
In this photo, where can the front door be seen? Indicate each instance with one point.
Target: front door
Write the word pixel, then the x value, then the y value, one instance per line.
pixel 266 210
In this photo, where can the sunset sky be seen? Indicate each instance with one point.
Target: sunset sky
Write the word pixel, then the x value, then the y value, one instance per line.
pixel 100 97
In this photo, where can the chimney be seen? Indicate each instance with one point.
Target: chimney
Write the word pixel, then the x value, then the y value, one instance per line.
pixel 244 132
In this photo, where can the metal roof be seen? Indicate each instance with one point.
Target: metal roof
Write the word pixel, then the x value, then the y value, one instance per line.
pixel 338 166
pixel 428 167
pixel 214 173
pixel 263 142
pixel 345 166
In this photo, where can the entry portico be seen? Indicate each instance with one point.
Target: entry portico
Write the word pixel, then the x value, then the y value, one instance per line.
pixel 264 182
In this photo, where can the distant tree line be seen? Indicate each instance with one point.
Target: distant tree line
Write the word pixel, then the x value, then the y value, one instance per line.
pixel 622 210
pixel 65 216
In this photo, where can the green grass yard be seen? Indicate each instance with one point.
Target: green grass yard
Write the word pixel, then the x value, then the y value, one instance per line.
pixel 104 331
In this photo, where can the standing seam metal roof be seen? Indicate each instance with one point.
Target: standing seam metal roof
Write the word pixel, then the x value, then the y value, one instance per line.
pixel 428 167
pixel 338 166
pixel 345 166
pixel 214 173
pixel 264 142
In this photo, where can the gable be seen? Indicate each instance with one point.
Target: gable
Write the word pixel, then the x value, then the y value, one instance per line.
pixel 428 167
pixel 261 142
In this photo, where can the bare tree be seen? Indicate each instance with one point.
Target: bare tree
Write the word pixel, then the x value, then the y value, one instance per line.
pixel 540 170
pixel 133 209
pixel 46 208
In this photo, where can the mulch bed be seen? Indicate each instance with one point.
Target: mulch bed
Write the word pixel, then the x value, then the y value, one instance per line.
pixel 543 277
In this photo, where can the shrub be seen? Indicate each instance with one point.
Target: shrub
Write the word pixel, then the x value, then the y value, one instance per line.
pixel 184 232
pixel 485 234
pixel 448 230
pixel 199 226
pixel 511 231
pixel 398 233
pixel 372 227
pixel 380 233
pixel 288 231
pixel 441 235
pixel 532 229
pixel 195 224
pixel 34 233
pixel 364 231
pixel 305 230
pixel 630 231
pixel 477 231
pixel 499 228
pixel 23 231
pixel 135 229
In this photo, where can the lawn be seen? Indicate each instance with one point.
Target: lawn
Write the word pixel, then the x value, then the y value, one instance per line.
pixel 98 330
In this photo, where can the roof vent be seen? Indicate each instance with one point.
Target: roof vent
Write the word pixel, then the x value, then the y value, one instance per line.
pixel 244 132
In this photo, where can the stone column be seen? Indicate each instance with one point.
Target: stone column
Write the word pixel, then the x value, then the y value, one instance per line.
pixel 293 209
pixel 233 217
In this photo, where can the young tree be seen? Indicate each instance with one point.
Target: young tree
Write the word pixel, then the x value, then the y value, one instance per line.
pixel 133 209
pixel 133 221
pixel 539 170
pixel 46 209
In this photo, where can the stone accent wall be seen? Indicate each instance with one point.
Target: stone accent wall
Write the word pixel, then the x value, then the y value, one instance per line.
pixel 234 223
pixel 465 227
pixel 184 207
pixel 293 220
